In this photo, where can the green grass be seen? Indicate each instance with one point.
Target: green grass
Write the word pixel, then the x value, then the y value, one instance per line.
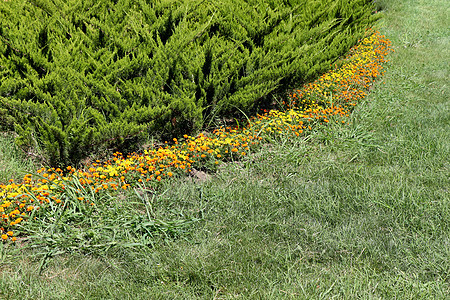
pixel 13 163
pixel 356 212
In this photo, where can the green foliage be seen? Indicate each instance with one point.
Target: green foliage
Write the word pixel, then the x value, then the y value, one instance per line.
pixel 13 163
pixel 129 221
pixel 78 76
pixel 365 216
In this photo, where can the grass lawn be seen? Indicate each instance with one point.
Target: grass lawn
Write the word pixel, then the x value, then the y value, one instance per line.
pixel 359 211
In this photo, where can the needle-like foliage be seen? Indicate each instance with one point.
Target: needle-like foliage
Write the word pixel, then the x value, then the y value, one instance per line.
pixel 77 76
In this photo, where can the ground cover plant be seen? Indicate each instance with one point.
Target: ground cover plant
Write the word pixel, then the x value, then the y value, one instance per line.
pixel 106 74
pixel 358 210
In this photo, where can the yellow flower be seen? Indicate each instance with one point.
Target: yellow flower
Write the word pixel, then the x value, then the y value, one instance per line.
pixel 13 195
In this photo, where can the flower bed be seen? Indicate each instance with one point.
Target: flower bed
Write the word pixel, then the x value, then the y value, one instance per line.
pixel 328 99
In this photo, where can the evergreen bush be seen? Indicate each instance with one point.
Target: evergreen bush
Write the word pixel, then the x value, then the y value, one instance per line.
pixel 77 76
